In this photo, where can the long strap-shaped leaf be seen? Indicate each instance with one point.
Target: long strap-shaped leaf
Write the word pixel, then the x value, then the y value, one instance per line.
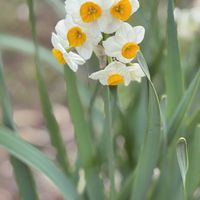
pixel 150 151
pixel 183 107
pixel 23 174
pixel 173 72
pixel 34 158
pixel 50 120
pixel 183 162
pixel 193 179
pixel 83 137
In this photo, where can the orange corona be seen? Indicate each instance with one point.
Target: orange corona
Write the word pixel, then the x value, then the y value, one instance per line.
pixel 90 11
pixel 121 10
pixel 76 37
pixel 59 56
pixel 115 79
pixel 130 50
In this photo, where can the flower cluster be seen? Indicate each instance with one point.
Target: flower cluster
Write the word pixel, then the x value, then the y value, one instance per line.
pixel 90 24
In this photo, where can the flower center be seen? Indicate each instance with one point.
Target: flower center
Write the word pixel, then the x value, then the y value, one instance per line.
pixel 115 79
pixel 76 37
pixel 130 50
pixel 121 10
pixel 59 56
pixel 90 11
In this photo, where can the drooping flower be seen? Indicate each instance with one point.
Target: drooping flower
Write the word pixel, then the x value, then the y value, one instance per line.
pixel 79 37
pixel 124 45
pixel 117 73
pixel 118 12
pixel 87 12
pixel 61 53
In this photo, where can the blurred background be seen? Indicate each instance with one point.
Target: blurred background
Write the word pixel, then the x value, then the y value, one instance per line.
pixel 20 71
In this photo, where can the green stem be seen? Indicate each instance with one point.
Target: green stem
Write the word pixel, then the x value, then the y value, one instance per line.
pixel 51 123
pixel 86 150
pixel 110 146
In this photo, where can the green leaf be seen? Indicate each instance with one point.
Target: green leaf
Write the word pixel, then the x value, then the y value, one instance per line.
pixel 8 42
pixel 193 179
pixel 173 72
pixel 150 151
pixel 53 128
pixel 193 120
pixel 181 110
pixel 34 158
pixel 86 149
pixel 23 174
pixel 182 157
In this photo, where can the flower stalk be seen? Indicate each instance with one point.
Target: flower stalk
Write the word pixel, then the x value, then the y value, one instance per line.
pixel 110 143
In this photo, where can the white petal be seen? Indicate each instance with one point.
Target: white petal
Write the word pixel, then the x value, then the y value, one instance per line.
pixel 76 58
pixel 85 50
pixel 108 24
pixel 101 75
pixel 136 72
pixel 56 42
pixel 72 6
pixel 112 48
pixel 69 22
pixel 61 29
pixel 135 5
pixel 136 34
pixel 73 60
pixel 124 30
pixel 122 59
pixel 115 66
pixel 105 4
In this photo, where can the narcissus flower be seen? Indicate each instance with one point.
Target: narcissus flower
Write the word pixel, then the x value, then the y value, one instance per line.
pixel 118 12
pixel 83 29
pixel 124 44
pixel 117 73
pixel 60 52
pixel 87 12
pixel 78 37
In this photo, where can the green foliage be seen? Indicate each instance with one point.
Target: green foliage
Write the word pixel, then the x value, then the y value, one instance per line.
pixel 22 150
pixel 50 120
pixel 22 172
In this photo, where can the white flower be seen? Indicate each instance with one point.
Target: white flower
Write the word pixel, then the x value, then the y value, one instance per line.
pixel 118 12
pixel 136 72
pixel 87 12
pixel 78 37
pixel 124 44
pixel 117 73
pixel 60 52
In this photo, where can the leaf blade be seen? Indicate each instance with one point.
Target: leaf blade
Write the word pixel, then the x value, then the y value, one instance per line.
pixel 26 185
pixel 173 71
pixel 181 110
pixel 22 150
pixel 149 155
pixel 86 149
pixel 51 123
pixel 182 157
